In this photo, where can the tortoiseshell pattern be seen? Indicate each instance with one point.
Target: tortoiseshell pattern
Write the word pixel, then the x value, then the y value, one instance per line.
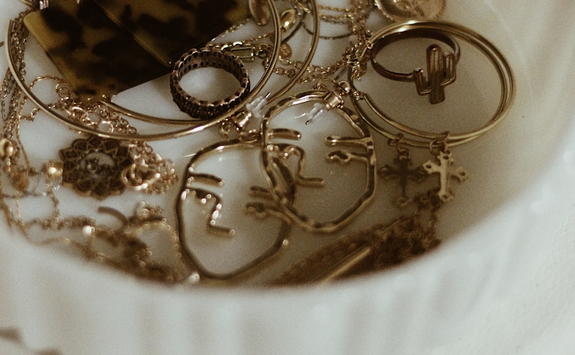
pixel 97 57
pixel 170 28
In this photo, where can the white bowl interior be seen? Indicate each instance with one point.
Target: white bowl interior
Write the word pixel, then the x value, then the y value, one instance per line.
pixel 518 187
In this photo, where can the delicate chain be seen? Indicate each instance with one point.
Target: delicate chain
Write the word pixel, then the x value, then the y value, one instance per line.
pixel 374 248
pixel 26 182
pixel 355 17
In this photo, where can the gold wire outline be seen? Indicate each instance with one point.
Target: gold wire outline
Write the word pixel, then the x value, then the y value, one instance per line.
pixel 183 195
pixel 365 141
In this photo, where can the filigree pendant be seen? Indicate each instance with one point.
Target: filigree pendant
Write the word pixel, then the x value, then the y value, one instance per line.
pixel 94 166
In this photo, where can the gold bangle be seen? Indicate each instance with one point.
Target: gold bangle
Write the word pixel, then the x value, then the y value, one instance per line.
pixel 423 138
pixel 191 126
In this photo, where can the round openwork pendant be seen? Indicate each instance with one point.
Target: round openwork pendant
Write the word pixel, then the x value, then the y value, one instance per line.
pixel 93 166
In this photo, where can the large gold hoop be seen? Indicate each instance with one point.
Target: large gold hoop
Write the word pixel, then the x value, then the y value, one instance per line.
pixel 423 138
pixel 192 126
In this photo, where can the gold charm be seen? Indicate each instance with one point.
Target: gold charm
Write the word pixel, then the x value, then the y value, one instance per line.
pixel 402 172
pixel 403 10
pixel 446 172
pixel 94 166
pixel 441 72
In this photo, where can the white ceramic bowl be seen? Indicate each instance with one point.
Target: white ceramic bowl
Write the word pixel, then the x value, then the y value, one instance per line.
pixel 524 173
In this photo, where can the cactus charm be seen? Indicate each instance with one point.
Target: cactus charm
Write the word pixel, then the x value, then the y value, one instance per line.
pixel 441 72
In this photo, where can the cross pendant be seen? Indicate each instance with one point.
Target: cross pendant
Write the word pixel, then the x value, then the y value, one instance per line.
pixel 446 172
pixel 403 173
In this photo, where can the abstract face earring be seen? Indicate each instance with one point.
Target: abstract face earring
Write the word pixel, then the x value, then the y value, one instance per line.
pixel 241 232
pixel 284 159
pixel 414 232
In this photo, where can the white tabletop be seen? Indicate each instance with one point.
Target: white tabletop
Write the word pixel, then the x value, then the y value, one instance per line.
pixel 537 316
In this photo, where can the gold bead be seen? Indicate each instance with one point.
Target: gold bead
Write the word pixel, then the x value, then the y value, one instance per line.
pixel 288 19
pixel 21 181
pixel 6 148
pixel 54 169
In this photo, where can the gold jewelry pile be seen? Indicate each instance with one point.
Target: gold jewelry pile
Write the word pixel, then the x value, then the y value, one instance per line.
pixel 111 156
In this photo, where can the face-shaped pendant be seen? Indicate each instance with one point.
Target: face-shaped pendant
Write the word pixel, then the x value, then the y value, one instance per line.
pixel 222 228
pixel 321 173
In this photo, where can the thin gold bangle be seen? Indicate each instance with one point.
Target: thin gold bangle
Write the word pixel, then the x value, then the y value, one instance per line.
pixel 186 122
pixel 191 128
pixel 504 72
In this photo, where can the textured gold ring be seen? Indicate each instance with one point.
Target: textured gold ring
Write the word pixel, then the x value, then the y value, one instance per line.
pixel 203 58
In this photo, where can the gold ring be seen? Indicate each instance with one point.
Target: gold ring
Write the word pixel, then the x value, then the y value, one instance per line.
pixel 423 138
pixel 388 38
pixel 203 58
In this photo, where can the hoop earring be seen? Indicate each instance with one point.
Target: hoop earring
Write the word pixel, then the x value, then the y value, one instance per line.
pixel 274 154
